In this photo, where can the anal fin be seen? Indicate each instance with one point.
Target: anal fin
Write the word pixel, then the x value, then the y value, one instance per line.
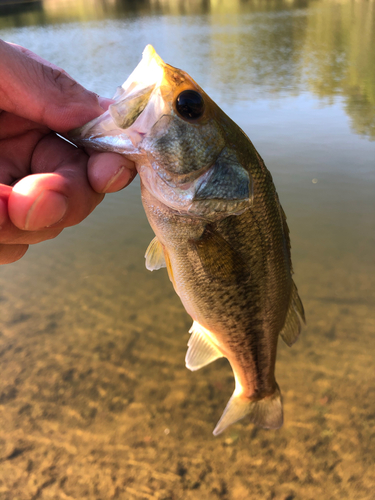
pixel 266 412
pixel 294 318
pixel 155 255
pixel 202 350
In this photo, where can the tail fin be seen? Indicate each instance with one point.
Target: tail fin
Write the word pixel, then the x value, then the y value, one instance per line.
pixel 266 413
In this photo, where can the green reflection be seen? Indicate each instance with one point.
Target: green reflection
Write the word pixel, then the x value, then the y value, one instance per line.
pixel 277 46
pixel 339 58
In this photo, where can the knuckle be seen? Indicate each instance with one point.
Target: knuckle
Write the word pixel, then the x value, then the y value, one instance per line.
pixel 67 88
pixel 60 78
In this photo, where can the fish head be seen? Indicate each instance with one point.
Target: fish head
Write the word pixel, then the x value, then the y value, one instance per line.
pixel 189 154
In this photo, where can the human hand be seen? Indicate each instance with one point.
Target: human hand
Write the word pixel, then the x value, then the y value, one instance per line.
pixel 46 183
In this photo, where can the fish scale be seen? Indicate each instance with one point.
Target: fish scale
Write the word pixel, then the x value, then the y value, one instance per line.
pixel 220 229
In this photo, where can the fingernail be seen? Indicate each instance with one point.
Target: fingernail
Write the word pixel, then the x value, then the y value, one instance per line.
pixel 48 209
pixel 113 179
pixel 104 102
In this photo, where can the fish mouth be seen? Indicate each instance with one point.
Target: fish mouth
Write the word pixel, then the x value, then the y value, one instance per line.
pixel 128 119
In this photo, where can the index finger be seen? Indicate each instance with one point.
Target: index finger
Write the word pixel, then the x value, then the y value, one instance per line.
pixel 39 59
pixel 42 92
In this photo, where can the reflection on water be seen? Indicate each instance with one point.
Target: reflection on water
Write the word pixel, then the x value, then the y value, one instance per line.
pixel 326 46
pixel 95 401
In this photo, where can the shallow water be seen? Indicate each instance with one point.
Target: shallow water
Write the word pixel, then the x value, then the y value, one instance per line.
pixel 95 401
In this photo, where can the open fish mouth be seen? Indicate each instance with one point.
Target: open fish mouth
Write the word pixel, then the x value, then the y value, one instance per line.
pixel 123 127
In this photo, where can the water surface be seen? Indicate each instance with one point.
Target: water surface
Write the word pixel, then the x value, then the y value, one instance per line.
pixel 95 401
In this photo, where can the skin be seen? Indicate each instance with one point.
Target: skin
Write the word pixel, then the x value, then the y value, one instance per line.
pixel 47 184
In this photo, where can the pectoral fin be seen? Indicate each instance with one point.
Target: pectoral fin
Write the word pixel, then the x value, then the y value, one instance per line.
pixel 202 350
pixel 294 318
pixel 155 256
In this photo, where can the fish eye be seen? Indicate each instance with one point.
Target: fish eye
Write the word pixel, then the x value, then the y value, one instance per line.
pixel 190 104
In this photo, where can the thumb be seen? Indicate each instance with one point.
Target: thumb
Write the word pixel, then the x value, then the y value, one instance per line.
pixel 39 91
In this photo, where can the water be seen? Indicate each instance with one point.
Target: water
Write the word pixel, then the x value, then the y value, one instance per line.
pixel 95 401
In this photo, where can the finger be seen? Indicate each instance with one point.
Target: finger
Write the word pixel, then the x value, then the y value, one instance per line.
pixel 105 102
pixel 37 58
pixel 18 138
pixel 11 253
pixel 42 93
pixel 3 212
pixel 109 172
pixel 53 200
pixel 4 196
pixel 10 234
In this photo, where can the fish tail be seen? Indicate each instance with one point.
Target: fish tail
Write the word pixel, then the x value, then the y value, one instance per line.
pixel 266 412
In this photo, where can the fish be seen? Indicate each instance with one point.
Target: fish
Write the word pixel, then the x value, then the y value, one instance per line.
pixel 219 228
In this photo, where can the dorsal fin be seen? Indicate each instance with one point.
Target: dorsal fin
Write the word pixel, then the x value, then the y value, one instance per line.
pixel 155 255
pixel 202 350
pixel 294 318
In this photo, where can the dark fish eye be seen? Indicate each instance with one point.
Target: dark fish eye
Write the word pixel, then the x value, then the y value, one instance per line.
pixel 190 104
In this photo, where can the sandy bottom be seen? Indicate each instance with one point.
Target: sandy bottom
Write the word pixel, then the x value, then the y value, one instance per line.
pixel 95 401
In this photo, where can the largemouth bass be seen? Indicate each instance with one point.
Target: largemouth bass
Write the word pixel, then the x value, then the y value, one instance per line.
pixel 220 229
